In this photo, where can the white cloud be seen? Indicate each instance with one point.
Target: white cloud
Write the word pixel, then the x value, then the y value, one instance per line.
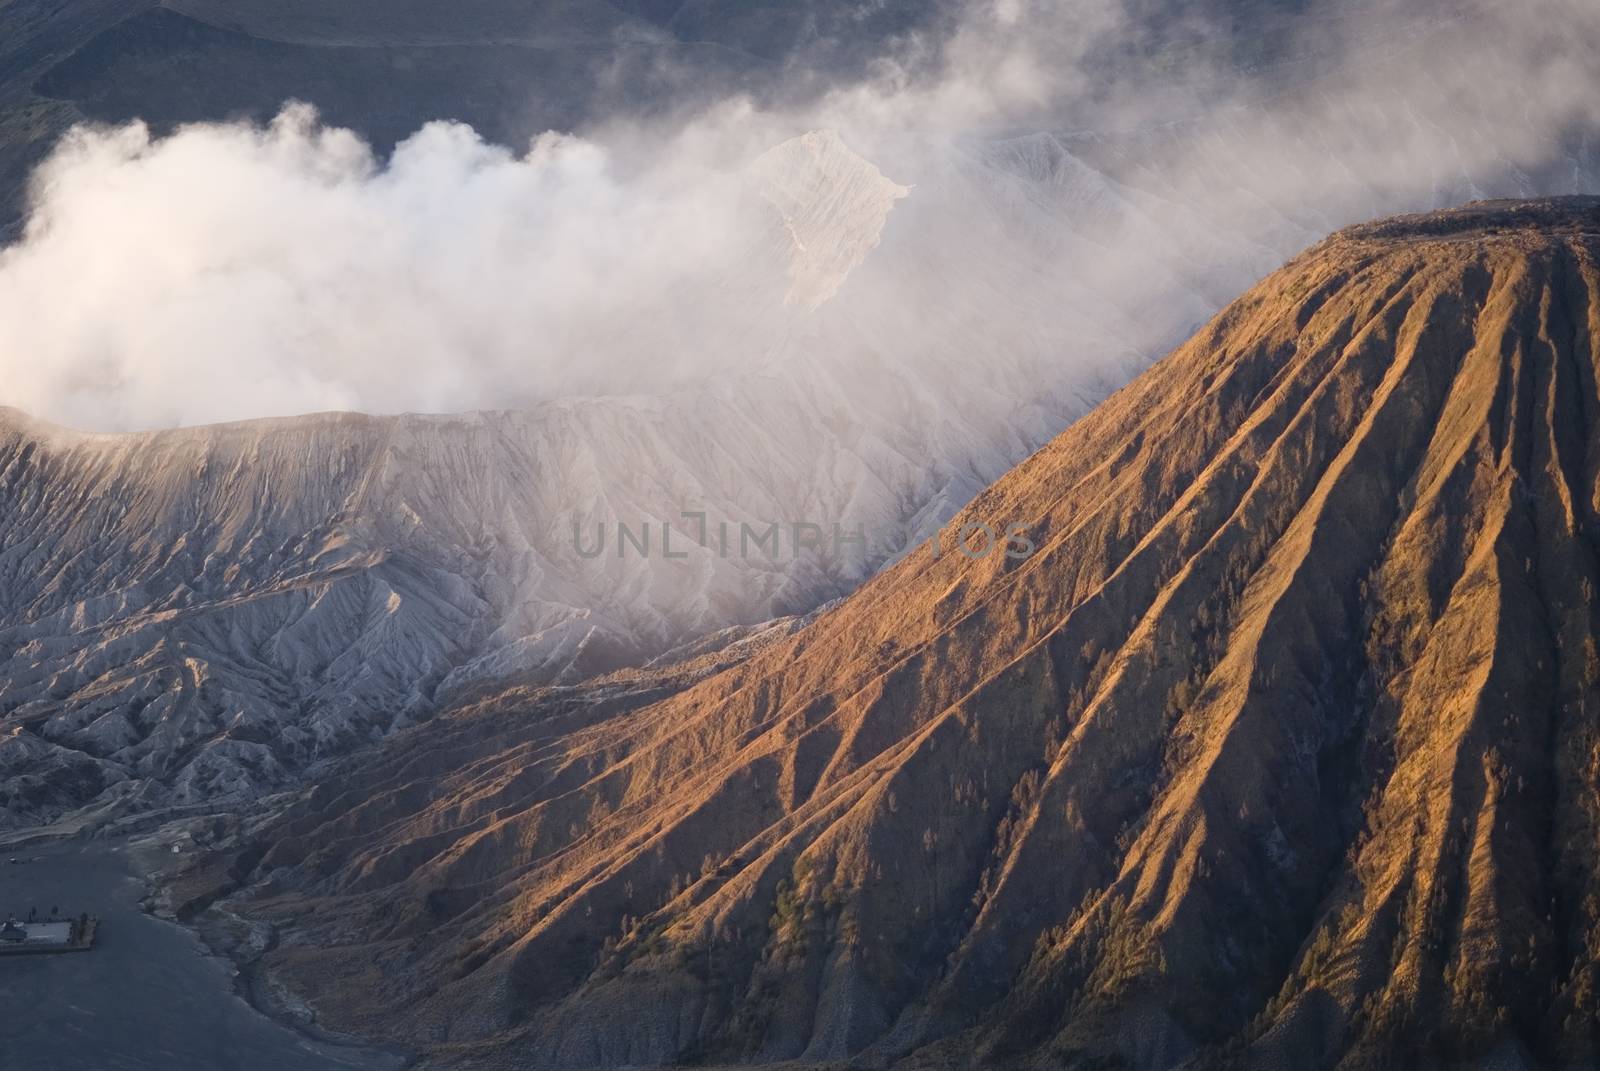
pixel 226 272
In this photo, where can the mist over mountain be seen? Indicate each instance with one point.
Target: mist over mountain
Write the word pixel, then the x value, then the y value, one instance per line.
pixel 162 272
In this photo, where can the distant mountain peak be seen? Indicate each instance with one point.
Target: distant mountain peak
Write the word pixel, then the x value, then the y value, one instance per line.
pixel 834 205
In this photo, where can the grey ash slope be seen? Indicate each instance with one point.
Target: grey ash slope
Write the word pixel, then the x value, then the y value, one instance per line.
pixel 204 611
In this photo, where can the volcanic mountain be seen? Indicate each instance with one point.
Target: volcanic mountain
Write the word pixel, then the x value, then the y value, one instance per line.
pixel 1274 741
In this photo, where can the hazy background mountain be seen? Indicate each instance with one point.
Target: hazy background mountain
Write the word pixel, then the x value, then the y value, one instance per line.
pixel 511 68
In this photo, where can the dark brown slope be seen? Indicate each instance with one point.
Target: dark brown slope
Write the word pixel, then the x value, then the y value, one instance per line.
pixel 1280 751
